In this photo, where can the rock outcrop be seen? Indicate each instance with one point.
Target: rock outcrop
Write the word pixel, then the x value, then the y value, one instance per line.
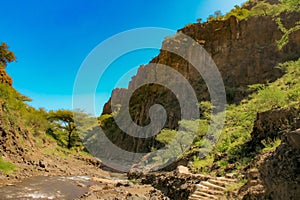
pixel 272 123
pixel 5 78
pixel 280 172
pixel 275 174
pixel 294 138
pixel 180 184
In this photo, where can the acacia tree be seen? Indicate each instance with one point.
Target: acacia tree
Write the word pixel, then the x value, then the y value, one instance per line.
pixel 262 8
pixel 76 123
pixel 63 119
pixel 6 56
pixel 218 14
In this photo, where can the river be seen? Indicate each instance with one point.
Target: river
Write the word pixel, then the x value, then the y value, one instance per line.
pixel 42 188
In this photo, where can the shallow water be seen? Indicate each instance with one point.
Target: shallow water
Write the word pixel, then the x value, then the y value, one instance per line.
pixel 47 188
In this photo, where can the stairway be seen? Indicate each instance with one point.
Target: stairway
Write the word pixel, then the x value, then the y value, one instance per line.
pixel 213 188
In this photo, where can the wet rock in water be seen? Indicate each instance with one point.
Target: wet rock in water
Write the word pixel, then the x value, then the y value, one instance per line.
pixel 79 184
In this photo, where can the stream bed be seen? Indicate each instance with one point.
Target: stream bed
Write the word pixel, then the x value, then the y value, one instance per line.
pixel 47 188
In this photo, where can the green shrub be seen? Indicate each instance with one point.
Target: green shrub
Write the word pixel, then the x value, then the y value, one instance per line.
pixel 291 5
pixel 286 33
pixel 203 165
pixel 270 145
pixel 271 97
pixel 7 167
pixel 238 12
pixel 236 186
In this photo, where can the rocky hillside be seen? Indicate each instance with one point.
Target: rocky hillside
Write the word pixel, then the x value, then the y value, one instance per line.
pixel 26 149
pixel 275 172
pixel 244 50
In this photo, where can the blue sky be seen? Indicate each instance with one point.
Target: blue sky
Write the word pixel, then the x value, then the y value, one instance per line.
pixel 52 38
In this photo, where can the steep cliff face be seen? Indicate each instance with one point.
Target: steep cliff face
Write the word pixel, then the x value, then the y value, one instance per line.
pixel 245 52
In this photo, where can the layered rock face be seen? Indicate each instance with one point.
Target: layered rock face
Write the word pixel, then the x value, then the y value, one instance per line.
pixel 245 53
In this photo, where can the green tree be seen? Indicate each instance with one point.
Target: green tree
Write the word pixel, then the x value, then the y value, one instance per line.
pixel 36 120
pixel 291 4
pixel 261 9
pixel 6 56
pixel 210 18
pixel 63 119
pixel 178 141
pixel 238 12
pixel 218 13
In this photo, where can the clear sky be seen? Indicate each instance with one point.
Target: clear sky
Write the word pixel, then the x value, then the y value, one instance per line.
pixel 51 38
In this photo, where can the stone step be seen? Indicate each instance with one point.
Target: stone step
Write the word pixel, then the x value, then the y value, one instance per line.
pixel 213 186
pixel 204 194
pixel 230 176
pixel 229 180
pixel 196 197
pixel 220 182
pixel 213 192
pixel 200 186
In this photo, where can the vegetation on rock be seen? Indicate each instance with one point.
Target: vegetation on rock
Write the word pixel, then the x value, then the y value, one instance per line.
pixel 6 56
pixel 6 167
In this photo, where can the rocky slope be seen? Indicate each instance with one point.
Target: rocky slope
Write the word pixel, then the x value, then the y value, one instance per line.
pixel 4 78
pixel 275 174
pixel 27 147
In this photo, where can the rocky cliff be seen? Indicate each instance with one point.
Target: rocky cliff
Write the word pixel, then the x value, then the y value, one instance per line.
pixel 245 52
